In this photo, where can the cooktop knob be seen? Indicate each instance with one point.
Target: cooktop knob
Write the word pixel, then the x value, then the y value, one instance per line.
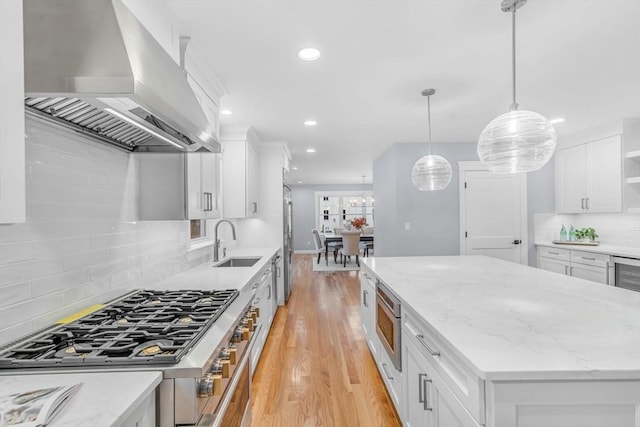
pixel 205 389
pixel 233 354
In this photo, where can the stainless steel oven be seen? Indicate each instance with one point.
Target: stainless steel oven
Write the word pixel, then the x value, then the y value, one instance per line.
pixel 626 273
pixel 388 323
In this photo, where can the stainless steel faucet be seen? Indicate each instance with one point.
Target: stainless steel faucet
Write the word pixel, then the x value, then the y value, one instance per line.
pixel 216 246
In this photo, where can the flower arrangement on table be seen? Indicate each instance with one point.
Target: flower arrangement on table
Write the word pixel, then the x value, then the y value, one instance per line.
pixel 358 223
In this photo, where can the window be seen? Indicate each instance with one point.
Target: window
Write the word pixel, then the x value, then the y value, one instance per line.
pixel 336 208
pixel 198 229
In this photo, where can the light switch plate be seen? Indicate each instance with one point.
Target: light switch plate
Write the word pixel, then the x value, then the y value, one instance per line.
pixel 407 226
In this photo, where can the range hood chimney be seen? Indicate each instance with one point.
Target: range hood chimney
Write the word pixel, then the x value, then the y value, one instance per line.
pixel 93 66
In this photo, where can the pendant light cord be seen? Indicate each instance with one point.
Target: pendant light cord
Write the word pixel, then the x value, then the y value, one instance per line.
pixel 429 120
pixel 514 105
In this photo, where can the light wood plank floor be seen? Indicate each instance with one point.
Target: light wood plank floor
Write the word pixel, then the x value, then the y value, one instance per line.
pixel 316 369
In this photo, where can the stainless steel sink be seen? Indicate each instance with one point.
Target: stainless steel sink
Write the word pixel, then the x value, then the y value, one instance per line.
pixel 238 262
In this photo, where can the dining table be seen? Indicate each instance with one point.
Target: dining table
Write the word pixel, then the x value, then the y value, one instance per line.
pixel 335 238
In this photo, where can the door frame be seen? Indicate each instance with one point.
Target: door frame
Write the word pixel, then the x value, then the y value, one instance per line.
pixel 477 166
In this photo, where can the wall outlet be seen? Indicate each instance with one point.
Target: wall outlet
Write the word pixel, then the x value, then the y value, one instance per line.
pixel 635 226
pixel 407 226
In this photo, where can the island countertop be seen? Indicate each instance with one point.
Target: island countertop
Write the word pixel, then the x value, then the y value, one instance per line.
pixel 511 321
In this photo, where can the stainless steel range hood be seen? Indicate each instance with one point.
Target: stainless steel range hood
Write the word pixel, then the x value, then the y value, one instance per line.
pixel 92 65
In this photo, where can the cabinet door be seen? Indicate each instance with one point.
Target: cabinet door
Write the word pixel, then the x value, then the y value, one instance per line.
pixel 588 272
pixel 555 265
pixel 253 181
pixel 367 306
pixel 211 184
pixel 195 194
pixel 570 165
pixel 419 406
pixel 12 145
pixel 604 175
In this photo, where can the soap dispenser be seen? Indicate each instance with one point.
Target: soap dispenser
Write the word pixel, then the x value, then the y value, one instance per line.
pixel 563 234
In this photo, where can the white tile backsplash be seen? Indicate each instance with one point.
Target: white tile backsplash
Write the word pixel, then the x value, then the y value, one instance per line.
pixel 613 228
pixel 82 243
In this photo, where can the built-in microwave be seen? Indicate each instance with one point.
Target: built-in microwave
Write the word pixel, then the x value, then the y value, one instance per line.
pixel 626 273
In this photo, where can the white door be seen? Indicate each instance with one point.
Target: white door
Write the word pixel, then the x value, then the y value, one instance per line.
pixel 492 213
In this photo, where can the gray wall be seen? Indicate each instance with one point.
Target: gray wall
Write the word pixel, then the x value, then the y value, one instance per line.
pixel 434 215
pixel 304 215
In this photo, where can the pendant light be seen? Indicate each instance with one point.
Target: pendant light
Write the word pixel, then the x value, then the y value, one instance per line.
pixel 431 172
pixel 364 193
pixel 520 140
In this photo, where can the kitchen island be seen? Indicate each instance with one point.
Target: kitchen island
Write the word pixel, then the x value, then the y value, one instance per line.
pixel 511 345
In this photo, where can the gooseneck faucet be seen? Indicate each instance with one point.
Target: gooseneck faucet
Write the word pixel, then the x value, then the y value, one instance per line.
pixel 216 246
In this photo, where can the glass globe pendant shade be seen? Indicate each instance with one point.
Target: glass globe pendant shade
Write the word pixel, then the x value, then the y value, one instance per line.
pixel 431 172
pixel 517 141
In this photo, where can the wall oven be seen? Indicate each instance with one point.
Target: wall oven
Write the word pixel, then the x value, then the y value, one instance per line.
pixel 626 273
pixel 388 323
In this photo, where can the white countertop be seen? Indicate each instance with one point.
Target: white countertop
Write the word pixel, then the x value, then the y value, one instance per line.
pixel 511 321
pixel 622 251
pixel 104 399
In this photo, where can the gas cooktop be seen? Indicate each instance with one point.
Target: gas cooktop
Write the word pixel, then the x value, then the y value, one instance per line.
pixel 143 327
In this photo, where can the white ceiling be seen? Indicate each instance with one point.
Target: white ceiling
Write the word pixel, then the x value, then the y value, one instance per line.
pixel 578 59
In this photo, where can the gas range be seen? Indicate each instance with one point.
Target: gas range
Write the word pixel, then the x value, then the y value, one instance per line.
pixel 143 327
pixel 205 367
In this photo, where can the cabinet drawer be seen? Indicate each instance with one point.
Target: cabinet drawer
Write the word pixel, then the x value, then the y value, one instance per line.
pixel 564 254
pixel 590 258
pixel 392 379
pixel 454 371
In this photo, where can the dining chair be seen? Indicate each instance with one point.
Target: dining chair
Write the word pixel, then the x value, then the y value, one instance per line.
pixel 317 243
pixel 351 245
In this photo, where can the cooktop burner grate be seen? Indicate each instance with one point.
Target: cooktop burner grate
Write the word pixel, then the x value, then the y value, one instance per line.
pixel 144 327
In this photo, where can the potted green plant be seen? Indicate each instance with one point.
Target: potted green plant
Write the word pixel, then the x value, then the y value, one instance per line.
pixel 586 233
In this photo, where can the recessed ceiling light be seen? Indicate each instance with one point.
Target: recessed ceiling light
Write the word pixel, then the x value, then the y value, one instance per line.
pixel 311 150
pixel 299 182
pixel 557 120
pixel 309 54
pixel 295 168
pixel 310 123
pixel 226 112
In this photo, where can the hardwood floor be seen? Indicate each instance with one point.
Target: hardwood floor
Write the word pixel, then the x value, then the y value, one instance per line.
pixel 316 369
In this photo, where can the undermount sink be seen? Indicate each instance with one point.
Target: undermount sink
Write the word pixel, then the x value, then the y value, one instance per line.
pixel 238 262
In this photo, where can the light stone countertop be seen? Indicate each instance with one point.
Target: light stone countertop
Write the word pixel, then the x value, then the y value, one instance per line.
pixel 512 322
pixel 114 394
pixel 105 399
pixel 601 249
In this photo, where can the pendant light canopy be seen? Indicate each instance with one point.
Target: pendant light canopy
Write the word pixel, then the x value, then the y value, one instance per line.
pixel 431 172
pixel 517 141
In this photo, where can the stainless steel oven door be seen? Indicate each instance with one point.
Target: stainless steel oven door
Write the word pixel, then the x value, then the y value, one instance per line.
pixel 388 327
pixel 626 273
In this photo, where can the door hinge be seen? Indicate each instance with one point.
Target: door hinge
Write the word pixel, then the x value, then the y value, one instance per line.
pixel 465 234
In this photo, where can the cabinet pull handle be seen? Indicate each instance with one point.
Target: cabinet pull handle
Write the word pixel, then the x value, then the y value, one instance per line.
pixel 607 277
pixel 421 388
pixel 364 298
pixel 586 202
pixel 570 271
pixel 587 258
pixel 425 384
pixel 386 374
pixel 277 271
pixel 420 338
pixel 255 286
pixel 566 267
pixel 269 296
pixel 554 253
pixel 582 203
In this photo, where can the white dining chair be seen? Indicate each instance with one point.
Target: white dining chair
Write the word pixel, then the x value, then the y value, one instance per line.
pixel 350 245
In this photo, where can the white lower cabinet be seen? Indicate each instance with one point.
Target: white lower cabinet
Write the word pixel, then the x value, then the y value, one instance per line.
pixel 585 265
pixel 367 309
pixel 564 404
pixel 392 379
pixel 144 415
pixel 428 400
pixel 264 302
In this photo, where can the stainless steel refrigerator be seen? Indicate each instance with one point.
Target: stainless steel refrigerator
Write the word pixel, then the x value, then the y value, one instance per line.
pixel 287 246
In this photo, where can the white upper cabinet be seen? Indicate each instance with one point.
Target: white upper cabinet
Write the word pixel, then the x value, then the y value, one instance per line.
pixel 240 165
pixel 12 145
pixel 203 186
pixel 589 177
pixel 178 186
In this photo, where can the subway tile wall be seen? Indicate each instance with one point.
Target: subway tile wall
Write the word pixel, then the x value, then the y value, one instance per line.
pixel 81 244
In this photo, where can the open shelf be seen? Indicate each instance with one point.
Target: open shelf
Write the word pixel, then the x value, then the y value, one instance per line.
pixel 633 180
pixel 633 154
